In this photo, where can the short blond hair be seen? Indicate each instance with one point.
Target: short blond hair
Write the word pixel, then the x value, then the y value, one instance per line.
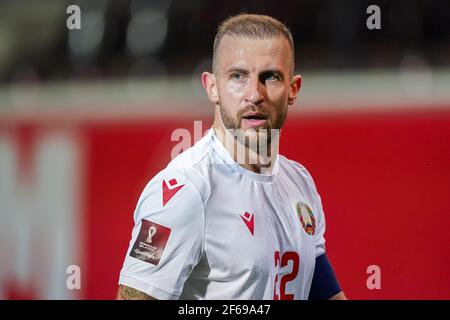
pixel 253 26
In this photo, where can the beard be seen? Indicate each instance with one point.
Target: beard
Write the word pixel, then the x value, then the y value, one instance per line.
pixel 231 122
pixel 270 131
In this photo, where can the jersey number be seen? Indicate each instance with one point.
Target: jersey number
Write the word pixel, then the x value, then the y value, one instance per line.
pixel 284 261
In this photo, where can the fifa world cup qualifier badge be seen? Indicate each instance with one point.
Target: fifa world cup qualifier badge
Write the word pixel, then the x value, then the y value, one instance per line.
pixel 150 243
pixel 306 218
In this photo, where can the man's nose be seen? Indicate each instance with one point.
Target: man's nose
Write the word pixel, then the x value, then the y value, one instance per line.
pixel 255 94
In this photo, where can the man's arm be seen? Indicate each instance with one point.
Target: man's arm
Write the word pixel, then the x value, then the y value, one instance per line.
pixel 128 293
pixel 172 220
pixel 324 284
pixel 339 296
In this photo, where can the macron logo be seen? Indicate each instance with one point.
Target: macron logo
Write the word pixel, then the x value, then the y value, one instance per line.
pixel 249 220
pixel 169 190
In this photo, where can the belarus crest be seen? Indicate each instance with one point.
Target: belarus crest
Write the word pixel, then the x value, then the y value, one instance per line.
pixel 306 218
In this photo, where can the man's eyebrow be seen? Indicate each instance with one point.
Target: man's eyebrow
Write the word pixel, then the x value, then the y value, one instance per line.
pixel 242 70
pixel 237 70
pixel 272 70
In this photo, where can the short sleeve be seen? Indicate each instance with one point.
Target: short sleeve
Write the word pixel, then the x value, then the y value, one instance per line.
pixel 319 215
pixel 167 238
pixel 320 228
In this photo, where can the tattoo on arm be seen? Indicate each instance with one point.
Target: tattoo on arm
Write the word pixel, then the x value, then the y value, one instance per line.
pixel 128 293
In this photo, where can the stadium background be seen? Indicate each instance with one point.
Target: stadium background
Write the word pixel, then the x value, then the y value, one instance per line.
pixel 86 119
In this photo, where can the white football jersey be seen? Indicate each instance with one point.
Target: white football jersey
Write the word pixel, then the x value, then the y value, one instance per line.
pixel 207 228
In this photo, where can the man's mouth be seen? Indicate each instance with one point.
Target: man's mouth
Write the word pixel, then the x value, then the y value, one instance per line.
pixel 254 119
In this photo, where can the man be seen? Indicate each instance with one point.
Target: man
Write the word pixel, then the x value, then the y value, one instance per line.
pixel 221 224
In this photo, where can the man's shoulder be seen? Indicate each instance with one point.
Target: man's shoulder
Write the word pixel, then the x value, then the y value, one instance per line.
pixel 295 168
pixel 193 156
pixel 298 174
pixel 186 171
pixel 185 182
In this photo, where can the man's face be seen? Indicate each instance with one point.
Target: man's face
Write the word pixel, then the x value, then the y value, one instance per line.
pixel 254 83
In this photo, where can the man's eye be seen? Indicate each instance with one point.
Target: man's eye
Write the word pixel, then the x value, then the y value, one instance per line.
pixel 271 77
pixel 237 76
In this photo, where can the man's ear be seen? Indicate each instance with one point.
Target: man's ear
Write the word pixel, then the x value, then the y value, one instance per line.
pixel 210 85
pixel 296 83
